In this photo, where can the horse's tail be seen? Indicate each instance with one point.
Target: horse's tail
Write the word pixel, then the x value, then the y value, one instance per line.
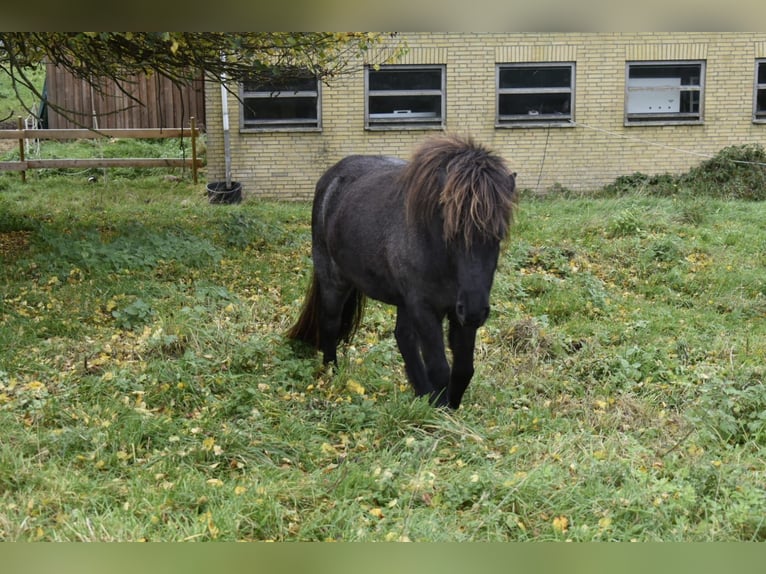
pixel 307 327
pixel 351 317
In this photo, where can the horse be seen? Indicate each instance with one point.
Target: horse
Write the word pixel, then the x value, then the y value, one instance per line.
pixel 422 235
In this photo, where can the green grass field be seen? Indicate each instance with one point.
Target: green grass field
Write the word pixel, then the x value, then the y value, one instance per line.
pixel 147 391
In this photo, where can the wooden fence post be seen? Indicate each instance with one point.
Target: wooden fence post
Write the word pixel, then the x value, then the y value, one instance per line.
pixel 20 125
pixel 194 148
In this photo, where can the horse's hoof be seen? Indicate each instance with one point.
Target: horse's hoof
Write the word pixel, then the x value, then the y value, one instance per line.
pixel 439 399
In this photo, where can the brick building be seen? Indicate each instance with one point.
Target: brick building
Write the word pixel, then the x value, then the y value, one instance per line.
pixel 574 109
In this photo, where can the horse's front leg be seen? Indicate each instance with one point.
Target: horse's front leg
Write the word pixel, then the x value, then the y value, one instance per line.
pixel 421 343
pixel 462 340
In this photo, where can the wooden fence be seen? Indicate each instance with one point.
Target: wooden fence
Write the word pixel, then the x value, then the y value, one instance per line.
pixel 24 164
pixel 161 104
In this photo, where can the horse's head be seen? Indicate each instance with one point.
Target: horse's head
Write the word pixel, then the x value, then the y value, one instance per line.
pixel 471 193
pixel 475 228
pixel 475 266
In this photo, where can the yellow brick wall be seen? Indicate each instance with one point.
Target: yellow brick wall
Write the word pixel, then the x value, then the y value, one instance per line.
pixel 582 157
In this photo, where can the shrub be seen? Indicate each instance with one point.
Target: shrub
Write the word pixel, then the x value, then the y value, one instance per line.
pixel 735 172
pixel 637 182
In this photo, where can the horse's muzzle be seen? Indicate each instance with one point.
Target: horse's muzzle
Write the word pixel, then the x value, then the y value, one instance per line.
pixel 471 315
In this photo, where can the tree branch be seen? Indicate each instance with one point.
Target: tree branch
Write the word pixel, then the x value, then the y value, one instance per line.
pixel 182 57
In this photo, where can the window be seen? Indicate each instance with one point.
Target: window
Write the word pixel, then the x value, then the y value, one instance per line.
pixel 287 100
pixel 404 97
pixel 535 94
pixel 759 105
pixel 664 92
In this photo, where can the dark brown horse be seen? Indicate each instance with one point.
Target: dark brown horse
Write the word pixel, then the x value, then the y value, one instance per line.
pixel 422 235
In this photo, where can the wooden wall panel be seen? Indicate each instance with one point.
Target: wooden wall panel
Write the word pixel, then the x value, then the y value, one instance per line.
pixel 164 105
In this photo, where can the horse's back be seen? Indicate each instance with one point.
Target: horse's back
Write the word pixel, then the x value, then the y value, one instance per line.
pixel 350 180
pixel 353 167
pixel 358 221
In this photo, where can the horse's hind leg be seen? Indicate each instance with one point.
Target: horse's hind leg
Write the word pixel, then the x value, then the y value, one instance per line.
pixel 333 297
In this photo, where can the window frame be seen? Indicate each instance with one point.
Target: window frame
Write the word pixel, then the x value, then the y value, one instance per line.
pixel 528 121
pixel 632 119
pixel 403 122
pixel 759 117
pixel 280 125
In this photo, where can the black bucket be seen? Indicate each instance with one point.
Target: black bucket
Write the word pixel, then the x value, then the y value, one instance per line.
pixel 219 192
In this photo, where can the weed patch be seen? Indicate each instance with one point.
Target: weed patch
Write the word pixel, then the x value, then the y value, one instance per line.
pixel 735 172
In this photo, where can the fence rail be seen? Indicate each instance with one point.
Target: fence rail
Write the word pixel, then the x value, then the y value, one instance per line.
pixel 22 165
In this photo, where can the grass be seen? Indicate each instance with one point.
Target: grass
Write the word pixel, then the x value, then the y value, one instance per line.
pixel 13 104
pixel 147 391
pixel 107 148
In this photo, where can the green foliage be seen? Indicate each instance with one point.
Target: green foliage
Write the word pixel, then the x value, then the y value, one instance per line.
pixel 135 248
pixel 627 222
pixel 639 183
pixel 135 314
pixel 150 393
pixel 733 411
pixel 183 56
pixel 241 231
pixel 14 105
pixel 735 172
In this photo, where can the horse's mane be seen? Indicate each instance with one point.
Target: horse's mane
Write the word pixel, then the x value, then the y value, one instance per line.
pixel 469 185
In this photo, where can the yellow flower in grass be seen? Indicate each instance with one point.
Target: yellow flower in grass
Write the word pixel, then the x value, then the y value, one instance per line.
pixel 354 387
pixel 561 524
pixel 35 386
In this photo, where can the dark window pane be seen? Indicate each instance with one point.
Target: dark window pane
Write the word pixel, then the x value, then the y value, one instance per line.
pixel 762 73
pixel 256 109
pixel 534 104
pixel 760 102
pixel 406 79
pixel 688 73
pixel 536 77
pixel 405 104
pixel 690 102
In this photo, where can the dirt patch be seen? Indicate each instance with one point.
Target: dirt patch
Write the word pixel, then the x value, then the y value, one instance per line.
pixel 14 243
